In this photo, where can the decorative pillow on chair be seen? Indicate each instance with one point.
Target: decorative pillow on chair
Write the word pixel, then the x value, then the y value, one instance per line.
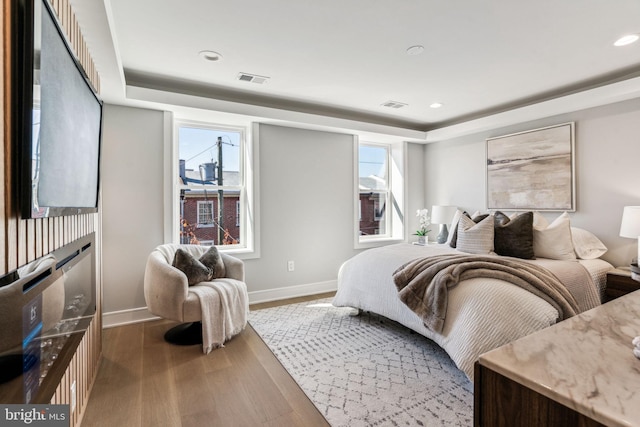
pixel 475 238
pixel 476 218
pixel 553 240
pixel 195 271
pixel 514 237
pixel 213 260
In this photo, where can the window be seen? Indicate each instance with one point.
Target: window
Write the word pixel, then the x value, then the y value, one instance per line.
pixel 205 214
pixel 379 193
pixel 373 183
pixel 211 186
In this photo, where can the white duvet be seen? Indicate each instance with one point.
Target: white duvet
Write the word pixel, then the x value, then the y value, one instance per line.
pixel 482 314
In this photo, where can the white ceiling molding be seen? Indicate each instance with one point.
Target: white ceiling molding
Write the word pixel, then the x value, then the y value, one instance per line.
pixel 615 92
pixel 276 115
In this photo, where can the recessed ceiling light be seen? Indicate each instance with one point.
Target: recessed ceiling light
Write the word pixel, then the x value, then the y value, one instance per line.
pixel 210 55
pixel 436 105
pixel 628 39
pixel 415 50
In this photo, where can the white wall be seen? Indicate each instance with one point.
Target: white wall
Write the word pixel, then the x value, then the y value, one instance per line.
pixel 415 190
pixel 132 201
pixel 306 212
pixel 607 173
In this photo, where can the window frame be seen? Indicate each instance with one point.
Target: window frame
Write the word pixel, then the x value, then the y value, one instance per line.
pixel 248 188
pixel 395 195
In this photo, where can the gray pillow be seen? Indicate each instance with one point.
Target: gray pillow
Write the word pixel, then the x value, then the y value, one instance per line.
pixel 514 237
pixel 213 261
pixel 454 239
pixel 195 270
pixel 475 238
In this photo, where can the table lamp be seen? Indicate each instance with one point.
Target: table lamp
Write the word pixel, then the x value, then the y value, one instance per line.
pixel 630 226
pixel 442 215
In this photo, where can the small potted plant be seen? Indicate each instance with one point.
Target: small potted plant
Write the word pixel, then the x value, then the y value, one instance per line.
pixel 425 222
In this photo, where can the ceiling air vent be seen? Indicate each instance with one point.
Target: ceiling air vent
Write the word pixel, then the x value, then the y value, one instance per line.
pixel 245 77
pixel 394 104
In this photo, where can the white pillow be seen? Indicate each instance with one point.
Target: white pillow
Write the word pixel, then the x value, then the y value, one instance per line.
pixel 539 221
pixel 454 223
pixel 475 238
pixel 586 244
pixel 553 240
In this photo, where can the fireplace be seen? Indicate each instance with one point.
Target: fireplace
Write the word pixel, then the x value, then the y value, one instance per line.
pixel 45 309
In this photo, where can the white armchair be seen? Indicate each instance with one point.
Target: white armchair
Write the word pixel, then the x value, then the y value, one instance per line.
pixel 169 295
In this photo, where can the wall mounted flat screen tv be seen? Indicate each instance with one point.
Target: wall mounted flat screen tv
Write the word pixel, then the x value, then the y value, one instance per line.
pixel 58 119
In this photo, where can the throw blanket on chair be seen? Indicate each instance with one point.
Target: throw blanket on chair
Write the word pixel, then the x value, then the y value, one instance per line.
pixel 424 282
pixel 225 307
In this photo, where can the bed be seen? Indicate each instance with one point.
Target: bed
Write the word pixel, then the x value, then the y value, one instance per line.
pixel 482 313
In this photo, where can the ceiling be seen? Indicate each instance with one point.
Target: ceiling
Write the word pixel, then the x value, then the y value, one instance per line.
pixel 341 60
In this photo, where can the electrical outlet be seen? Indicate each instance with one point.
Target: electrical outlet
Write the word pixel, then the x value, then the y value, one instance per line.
pixel 291 266
pixel 73 396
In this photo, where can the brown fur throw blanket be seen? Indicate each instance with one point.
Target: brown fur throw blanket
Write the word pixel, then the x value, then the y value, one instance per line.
pixel 423 283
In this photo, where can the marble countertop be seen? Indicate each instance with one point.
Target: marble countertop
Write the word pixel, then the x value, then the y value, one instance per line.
pixel 585 363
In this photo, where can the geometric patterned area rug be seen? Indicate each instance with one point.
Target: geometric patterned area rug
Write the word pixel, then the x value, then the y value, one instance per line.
pixel 365 370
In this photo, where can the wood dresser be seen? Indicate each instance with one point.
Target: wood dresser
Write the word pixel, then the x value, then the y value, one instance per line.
pixel 579 372
pixel 620 283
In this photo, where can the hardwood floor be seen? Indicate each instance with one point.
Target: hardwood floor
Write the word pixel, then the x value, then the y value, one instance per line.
pixel 145 381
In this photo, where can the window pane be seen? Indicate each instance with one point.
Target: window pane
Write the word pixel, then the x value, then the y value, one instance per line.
pixel 202 224
pixel 373 213
pixel 373 176
pixel 373 168
pixel 201 151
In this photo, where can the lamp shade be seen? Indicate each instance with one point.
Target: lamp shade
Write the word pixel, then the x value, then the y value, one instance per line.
pixel 442 214
pixel 630 226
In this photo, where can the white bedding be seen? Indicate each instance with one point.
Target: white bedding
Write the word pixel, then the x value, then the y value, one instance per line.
pixel 482 314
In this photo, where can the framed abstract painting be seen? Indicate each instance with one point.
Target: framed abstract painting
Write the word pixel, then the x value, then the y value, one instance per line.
pixel 532 170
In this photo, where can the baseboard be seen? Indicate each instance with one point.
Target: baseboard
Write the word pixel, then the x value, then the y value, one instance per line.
pixel 138 315
pixel 126 317
pixel 292 291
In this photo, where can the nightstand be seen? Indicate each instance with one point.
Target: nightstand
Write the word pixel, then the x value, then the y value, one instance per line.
pixel 619 283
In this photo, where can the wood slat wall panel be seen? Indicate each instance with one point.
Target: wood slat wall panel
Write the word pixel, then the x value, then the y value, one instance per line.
pixel 51 234
pixel 5 137
pixel 31 240
pixel 57 234
pixel 82 369
pixel 45 236
pixel 39 238
pixel 21 242
pixel 24 240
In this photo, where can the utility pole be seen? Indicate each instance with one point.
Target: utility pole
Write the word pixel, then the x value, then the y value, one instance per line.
pixel 220 193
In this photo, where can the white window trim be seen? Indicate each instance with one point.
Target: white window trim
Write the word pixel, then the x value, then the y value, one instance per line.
pixel 250 217
pixel 397 198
